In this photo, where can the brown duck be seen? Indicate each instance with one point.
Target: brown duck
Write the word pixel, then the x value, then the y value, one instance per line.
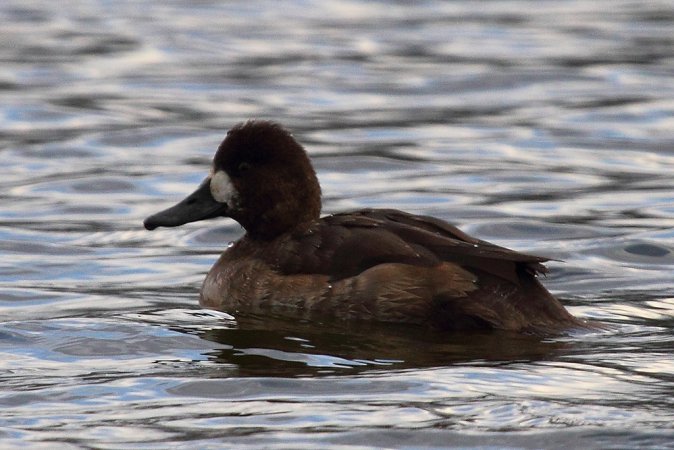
pixel 373 264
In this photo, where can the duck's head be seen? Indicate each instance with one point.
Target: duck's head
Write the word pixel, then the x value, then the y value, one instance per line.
pixel 261 177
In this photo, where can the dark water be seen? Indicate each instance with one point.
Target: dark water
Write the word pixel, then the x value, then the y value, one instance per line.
pixel 544 126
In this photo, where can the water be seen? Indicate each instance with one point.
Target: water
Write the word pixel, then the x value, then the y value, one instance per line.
pixel 544 126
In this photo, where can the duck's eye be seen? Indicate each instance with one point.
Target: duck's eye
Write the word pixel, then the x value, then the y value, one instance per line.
pixel 243 167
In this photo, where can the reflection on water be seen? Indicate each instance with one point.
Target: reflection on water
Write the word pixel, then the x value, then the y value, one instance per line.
pixel 543 126
pixel 264 347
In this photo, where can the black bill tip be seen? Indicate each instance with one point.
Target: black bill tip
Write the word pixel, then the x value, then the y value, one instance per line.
pixel 150 223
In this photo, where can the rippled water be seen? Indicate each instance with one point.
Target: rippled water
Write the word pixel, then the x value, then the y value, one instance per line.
pixel 544 126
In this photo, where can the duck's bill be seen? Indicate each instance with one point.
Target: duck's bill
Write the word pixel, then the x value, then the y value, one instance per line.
pixel 199 205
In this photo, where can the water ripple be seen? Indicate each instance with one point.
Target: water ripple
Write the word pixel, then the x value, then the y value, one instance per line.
pixel 543 126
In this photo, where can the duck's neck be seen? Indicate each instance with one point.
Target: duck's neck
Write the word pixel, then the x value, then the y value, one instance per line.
pixel 270 229
pixel 281 220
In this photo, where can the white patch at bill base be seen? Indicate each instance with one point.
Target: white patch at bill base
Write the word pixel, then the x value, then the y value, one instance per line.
pixel 222 189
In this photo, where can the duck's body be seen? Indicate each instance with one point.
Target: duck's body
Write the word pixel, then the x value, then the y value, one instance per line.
pixel 376 264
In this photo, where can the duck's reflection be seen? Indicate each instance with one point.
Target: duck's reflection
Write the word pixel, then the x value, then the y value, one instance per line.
pixel 282 347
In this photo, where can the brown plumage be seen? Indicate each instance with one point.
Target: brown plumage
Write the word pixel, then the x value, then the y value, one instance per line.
pixel 374 264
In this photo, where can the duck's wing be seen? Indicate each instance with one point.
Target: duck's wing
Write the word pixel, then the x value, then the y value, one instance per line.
pixel 451 244
pixel 346 244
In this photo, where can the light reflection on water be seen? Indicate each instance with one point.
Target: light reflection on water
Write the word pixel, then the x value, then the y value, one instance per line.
pixel 543 126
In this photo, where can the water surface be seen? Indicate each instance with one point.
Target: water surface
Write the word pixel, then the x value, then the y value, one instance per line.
pixel 547 127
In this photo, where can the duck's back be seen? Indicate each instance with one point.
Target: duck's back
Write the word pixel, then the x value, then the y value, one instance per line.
pixel 389 266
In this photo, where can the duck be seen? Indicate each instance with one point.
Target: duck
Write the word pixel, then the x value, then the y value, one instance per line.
pixel 376 265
